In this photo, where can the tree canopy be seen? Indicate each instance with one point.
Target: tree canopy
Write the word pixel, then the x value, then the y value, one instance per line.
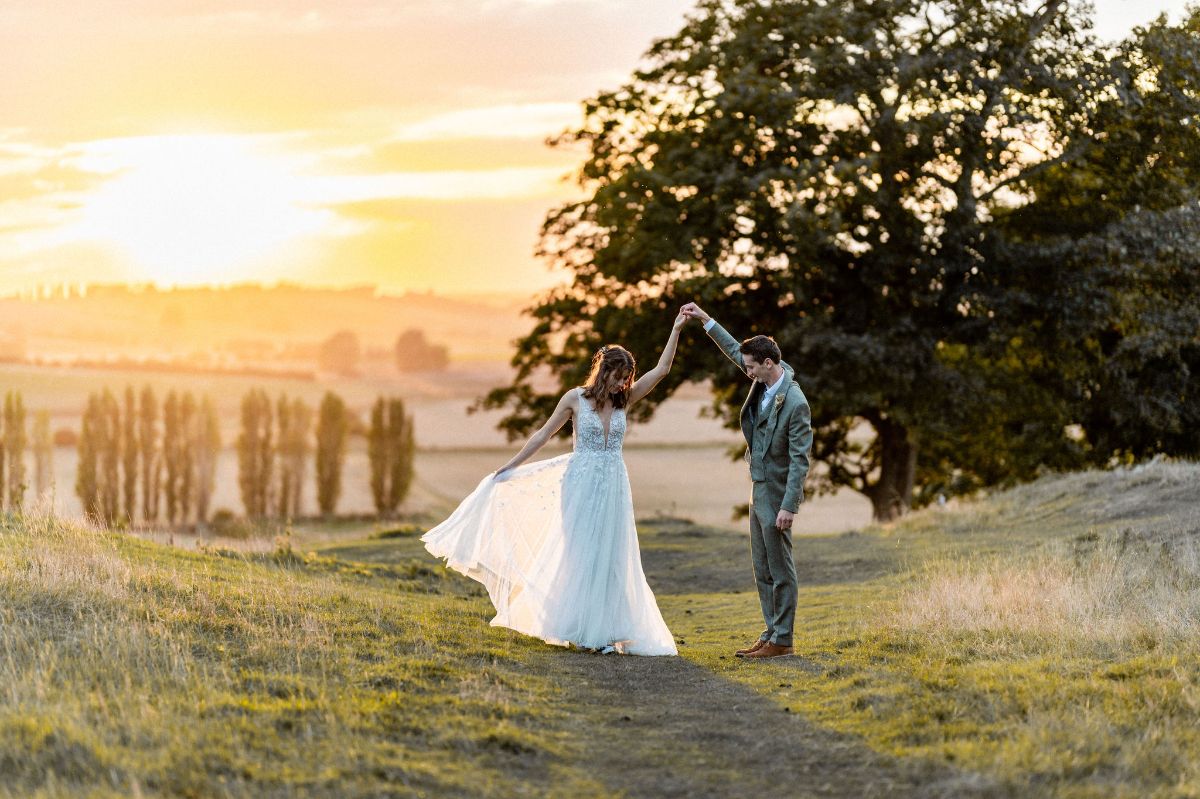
pixel 944 212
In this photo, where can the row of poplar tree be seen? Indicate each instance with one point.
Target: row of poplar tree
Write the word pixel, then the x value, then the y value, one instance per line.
pixel 13 441
pixel 123 446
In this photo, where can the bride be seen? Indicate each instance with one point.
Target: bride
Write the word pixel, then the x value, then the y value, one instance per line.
pixel 554 541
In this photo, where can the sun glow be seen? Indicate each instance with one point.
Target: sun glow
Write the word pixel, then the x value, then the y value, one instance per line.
pixel 197 208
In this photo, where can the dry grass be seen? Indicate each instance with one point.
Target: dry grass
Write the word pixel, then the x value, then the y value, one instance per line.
pixel 132 669
pixel 1132 579
pixel 1092 591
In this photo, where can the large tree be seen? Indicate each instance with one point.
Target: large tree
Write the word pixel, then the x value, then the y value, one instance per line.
pixel 1104 276
pixel 842 176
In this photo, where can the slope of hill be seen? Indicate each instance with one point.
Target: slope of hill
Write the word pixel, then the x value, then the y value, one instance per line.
pixel 1043 642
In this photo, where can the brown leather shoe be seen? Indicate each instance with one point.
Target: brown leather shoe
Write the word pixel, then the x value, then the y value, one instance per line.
pixel 769 651
pixel 757 645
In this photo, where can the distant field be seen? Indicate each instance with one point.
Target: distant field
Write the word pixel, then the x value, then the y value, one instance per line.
pixel 456 449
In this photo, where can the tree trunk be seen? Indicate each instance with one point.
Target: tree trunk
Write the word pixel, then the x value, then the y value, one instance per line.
pixel 891 494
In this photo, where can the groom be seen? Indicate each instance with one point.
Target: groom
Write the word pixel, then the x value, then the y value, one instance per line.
pixel 778 430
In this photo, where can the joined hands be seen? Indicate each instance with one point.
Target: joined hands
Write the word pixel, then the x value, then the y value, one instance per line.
pixel 694 311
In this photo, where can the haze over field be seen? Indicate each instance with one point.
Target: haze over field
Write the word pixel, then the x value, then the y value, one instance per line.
pixel 252 324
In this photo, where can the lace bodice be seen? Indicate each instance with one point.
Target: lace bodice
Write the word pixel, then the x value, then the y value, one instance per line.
pixel 589 430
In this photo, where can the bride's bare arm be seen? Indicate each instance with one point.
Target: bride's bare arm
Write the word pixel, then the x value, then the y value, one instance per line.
pixel 651 378
pixel 562 413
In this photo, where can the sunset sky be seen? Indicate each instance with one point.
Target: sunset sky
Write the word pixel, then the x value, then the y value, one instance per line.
pixel 333 142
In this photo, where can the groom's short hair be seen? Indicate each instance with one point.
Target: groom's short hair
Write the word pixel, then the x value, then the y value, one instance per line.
pixel 761 348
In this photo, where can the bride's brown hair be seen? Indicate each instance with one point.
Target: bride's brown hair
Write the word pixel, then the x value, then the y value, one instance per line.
pixel 610 359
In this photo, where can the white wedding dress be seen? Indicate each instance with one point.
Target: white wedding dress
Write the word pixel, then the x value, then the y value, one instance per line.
pixel 555 545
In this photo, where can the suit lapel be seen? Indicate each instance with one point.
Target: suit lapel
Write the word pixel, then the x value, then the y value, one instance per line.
pixel 750 418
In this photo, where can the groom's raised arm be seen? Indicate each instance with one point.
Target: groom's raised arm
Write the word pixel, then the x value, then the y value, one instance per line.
pixel 728 344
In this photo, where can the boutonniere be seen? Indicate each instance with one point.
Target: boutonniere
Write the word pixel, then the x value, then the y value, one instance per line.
pixel 779 398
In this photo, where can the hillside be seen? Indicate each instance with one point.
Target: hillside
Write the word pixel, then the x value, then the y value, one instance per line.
pixel 254 323
pixel 1043 642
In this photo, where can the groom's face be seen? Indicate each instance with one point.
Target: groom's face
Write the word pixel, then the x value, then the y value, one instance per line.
pixel 758 370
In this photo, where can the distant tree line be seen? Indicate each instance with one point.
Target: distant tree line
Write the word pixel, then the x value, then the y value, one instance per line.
pixel 167 454
pixel 341 353
pixel 415 354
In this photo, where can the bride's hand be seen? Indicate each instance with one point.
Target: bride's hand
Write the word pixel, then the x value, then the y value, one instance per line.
pixel 680 321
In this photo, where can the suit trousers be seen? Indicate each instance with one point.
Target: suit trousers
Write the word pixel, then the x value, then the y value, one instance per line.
pixel 774 568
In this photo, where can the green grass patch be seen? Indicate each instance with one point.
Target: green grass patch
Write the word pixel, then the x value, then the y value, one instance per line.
pixel 132 668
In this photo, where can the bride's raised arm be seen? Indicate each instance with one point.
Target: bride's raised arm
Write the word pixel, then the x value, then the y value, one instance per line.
pixel 651 378
pixel 566 407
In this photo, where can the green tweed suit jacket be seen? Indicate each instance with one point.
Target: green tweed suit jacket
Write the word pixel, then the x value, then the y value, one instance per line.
pixel 780 438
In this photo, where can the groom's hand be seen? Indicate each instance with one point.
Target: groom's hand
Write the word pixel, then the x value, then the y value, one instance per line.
pixel 784 520
pixel 695 312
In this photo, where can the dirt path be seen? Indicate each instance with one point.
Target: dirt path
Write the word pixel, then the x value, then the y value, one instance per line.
pixel 668 727
pixel 665 727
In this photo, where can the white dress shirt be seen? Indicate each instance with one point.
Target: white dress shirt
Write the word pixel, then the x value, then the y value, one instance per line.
pixel 771 391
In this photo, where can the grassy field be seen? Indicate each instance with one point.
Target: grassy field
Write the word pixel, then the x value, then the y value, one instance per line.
pixel 1044 642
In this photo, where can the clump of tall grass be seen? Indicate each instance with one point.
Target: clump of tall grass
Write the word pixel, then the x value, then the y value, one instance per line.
pixel 1126 590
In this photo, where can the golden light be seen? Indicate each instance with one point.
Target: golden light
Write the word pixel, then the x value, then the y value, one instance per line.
pixel 192 209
